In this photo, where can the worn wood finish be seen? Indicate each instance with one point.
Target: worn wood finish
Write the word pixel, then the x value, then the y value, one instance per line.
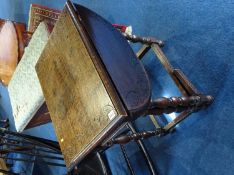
pixel 164 105
pixel 3 166
pixel 93 83
pixel 79 104
pixel 134 137
pixel 143 40
pixel 178 104
pixel 118 59
pixel 41 117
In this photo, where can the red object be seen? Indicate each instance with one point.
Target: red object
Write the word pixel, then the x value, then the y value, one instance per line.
pixel 122 28
pixel 40 13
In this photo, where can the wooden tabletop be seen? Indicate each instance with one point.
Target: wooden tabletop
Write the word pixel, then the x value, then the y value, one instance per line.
pixel 91 80
pixel 121 63
pixel 3 165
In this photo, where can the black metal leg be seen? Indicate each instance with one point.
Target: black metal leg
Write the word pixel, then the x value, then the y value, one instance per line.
pixel 144 151
pixel 35 140
pixel 95 163
pixel 12 142
pixel 127 160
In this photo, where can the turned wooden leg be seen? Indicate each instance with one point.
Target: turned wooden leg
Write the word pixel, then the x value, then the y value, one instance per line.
pixel 143 40
pixel 178 104
pixel 135 136
pixel 192 101
pixel 185 105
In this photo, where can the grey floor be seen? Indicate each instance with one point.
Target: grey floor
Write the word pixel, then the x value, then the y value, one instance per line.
pixel 199 37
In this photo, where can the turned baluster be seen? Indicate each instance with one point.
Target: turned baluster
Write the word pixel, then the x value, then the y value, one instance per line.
pixel 143 40
pixel 135 136
pixel 178 104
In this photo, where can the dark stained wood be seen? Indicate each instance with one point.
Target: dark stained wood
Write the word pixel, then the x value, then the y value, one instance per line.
pixel 41 117
pixel 143 50
pixel 121 63
pixel 93 83
pixel 178 104
pixel 134 137
pixel 187 85
pixel 79 104
pixel 23 38
pixel 143 40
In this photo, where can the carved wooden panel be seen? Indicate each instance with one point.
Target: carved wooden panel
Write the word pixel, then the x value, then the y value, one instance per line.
pixel 78 102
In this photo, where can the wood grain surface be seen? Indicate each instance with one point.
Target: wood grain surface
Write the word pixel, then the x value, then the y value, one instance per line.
pixel 78 102
pixel 41 117
pixel 126 71
pixel 3 166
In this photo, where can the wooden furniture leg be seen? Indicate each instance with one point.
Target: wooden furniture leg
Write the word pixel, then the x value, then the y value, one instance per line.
pixel 192 101
pixel 106 99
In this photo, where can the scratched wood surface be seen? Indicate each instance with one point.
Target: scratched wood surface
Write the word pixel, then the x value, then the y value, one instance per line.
pixel 126 71
pixel 78 102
